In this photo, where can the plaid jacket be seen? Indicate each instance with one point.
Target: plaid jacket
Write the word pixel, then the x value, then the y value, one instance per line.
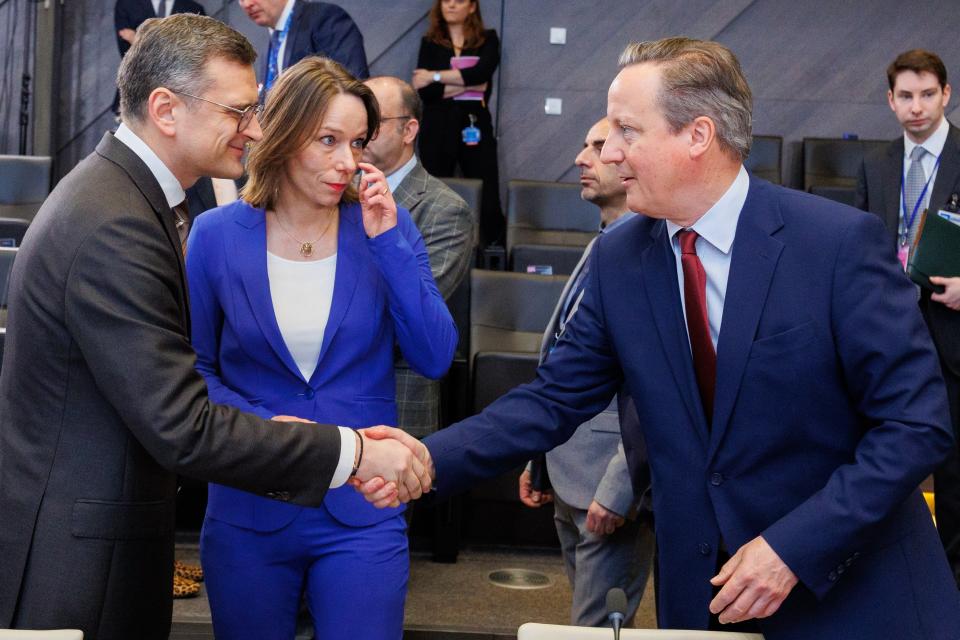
pixel 446 224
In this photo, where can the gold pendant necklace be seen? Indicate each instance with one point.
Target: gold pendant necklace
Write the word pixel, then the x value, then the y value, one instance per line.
pixel 306 246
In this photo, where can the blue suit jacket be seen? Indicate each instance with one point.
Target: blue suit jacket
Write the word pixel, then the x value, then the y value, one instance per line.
pixel 324 29
pixel 383 294
pixel 830 410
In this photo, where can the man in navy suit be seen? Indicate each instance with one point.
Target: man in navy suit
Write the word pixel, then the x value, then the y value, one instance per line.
pixel 301 28
pixel 787 390
pixel 130 14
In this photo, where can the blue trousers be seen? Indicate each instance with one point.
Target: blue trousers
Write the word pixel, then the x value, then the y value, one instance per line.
pixel 354 578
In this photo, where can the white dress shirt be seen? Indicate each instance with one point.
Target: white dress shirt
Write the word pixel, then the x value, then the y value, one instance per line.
pixel 934 147
pixel 174 193
pixel 716 228
pixel 395 178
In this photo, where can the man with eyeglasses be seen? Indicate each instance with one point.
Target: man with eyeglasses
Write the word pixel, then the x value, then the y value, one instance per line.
pixel 100 404
pixel 444 221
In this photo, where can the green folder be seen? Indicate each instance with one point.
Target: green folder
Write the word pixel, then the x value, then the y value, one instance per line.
pixel 936 251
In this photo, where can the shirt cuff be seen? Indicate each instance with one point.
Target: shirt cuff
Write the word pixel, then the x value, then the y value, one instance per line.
pixel 348 451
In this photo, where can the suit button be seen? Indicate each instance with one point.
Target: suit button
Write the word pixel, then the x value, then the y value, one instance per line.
pixel 832 576
pixel 308 394
pixel 716 479
pixel 705 548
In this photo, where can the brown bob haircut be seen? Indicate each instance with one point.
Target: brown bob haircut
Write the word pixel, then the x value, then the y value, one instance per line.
pixel 918 61
pixel 438 32
pixel 294 111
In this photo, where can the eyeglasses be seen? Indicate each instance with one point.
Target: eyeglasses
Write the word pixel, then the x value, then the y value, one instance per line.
pixel 246 115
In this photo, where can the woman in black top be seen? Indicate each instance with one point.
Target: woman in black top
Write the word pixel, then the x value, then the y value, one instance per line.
pixel 454 76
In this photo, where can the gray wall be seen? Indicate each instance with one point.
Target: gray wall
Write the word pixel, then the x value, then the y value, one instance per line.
pixel 15 55
pixel 816 67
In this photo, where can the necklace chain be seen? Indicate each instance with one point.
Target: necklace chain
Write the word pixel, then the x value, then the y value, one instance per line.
pixel 306 246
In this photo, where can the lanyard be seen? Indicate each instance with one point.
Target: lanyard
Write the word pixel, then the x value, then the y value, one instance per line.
pixel 905 222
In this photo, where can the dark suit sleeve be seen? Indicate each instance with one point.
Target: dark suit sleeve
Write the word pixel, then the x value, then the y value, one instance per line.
pixel 336 35
pixel 860 199
pixel 427 59
pixel 893 378
pixel 123 316
pixel 483 71
pixel 206 314
pixel 576 383
pixel 424 328
pixel 122 19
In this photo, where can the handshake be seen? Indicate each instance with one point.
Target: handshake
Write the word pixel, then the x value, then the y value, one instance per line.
pixel 392 467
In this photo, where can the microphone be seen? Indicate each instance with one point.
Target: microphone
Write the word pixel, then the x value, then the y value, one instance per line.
pixel 616 610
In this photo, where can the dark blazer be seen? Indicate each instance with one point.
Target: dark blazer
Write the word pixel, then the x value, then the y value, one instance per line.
pixel 101 407
pixel 446 224
pixel 830 411
pixel 878 191
pixel 130 14
pixel 383 294
pixel 324 29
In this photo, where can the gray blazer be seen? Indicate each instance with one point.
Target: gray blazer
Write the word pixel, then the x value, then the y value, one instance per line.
pixel 100 408
pixel 446 224
pixel 591 465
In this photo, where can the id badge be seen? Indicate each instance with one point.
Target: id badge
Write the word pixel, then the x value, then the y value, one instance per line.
pixel 903 254
pixel 470 133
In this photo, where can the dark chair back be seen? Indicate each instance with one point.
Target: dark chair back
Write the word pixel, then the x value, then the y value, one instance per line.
pixel 831 166
pixel 764 160
pixel 549 213
pixel 24 185
pixel 559 258
pixel 12 231
pixel 7 256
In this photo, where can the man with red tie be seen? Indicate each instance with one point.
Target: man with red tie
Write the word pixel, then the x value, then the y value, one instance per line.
pixel 787 390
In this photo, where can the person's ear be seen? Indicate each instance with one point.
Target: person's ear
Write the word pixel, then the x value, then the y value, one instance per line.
pixel 410 130
pixel 703 134
pixel 162 105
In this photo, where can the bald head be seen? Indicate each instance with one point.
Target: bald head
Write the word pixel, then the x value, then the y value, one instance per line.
pixel 400 113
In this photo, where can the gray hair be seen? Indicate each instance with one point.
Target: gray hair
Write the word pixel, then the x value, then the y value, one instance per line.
pixel 173 52
pixel 700 78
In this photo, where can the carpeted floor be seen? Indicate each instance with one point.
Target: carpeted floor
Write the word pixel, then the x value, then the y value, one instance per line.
pixel 449 601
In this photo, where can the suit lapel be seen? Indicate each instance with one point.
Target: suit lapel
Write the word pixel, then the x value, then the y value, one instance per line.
pixel 660 283
pixel 551 329
pixel 892 170
pixel 948 173
pixel 755 254
pixel 294 35
pixel 250 247
pixel 349 255
pixel 124 157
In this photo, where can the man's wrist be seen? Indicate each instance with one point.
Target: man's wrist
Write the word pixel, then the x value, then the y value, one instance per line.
pixel 357 455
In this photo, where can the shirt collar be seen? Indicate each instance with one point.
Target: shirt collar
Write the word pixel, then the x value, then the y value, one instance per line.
pixel 619 221
pixel 932 145
pixel 172 190
pixel 284 15
pixel 718 225
pixel 395 178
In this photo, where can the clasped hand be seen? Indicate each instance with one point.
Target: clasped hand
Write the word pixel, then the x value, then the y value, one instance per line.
pixel 395 467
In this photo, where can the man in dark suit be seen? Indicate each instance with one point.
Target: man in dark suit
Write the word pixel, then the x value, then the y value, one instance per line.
pixel 100 405
pixel 918 171
pixel 444 221
pixel 301 28
pixel 130 14
pixel 787 391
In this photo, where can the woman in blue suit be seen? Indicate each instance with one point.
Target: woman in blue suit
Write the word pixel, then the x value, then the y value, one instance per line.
pixel 299 293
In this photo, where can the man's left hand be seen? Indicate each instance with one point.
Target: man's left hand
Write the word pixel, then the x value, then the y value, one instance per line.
pixel 601 520
pixel 755 583
pixel 951 295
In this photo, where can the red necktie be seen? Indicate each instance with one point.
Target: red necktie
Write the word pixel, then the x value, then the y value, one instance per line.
pixel 698 325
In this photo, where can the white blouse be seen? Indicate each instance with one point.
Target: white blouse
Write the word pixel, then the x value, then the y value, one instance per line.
pixel 302 293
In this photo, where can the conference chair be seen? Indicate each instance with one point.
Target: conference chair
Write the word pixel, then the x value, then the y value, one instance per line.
pixel 52 634
pixel 550 213
pixel 831 166
pixel 508 314
pixel 7 256
pixel 560 260
pixel 764 160
pixel 12 231
pixel 536 631
pixel 24 184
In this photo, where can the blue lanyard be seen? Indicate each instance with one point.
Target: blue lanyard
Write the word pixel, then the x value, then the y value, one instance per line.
pixel 905 222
